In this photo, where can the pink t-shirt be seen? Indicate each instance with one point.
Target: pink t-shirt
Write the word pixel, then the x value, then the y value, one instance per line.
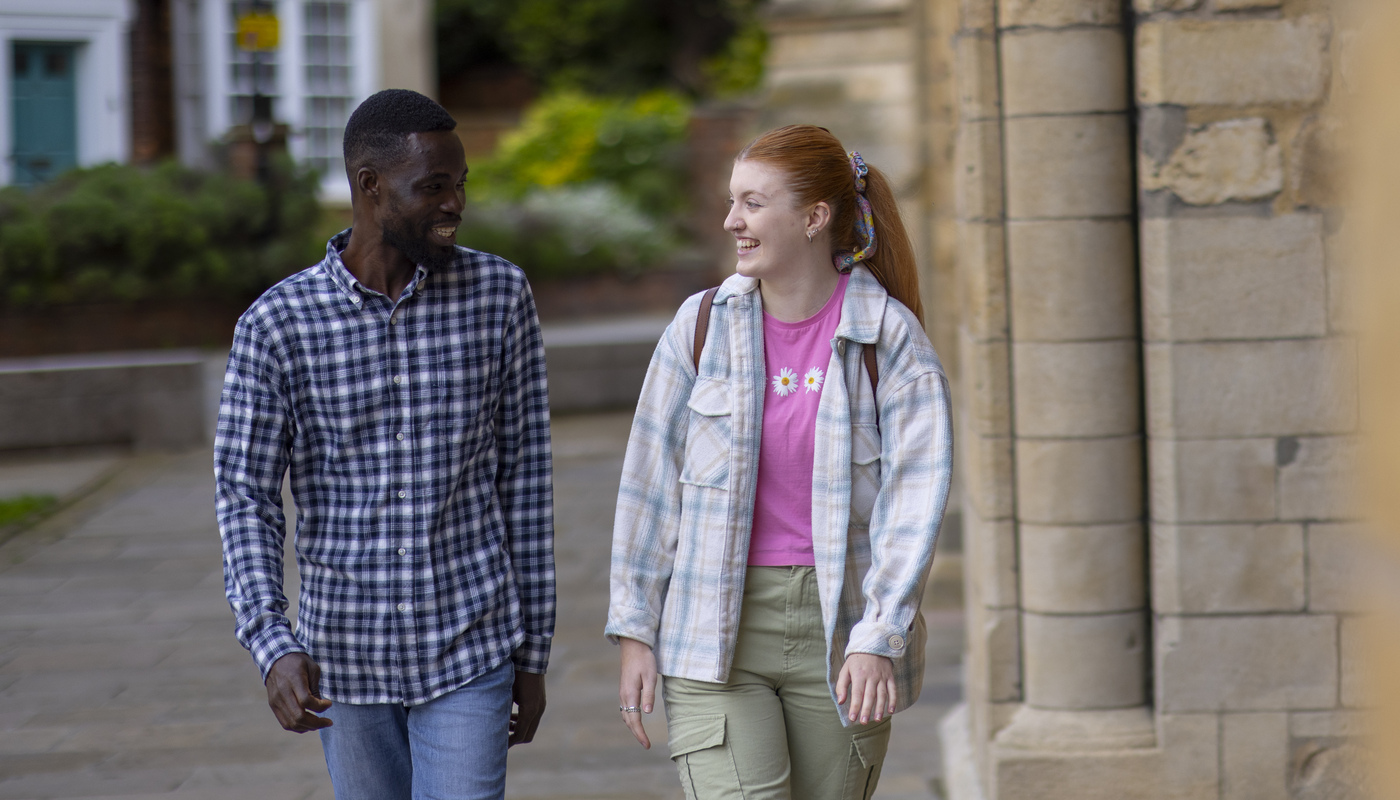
pixel 797 355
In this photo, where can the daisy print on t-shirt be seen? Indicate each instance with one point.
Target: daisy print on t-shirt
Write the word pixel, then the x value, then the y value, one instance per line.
pixel 785 382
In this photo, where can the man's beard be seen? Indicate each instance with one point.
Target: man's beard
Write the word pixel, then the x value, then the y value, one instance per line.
pixel 415 245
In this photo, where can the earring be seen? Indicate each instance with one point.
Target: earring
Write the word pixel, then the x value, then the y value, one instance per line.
pixel 809 237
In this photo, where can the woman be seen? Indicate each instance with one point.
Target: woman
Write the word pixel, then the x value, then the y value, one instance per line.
pixel 780 499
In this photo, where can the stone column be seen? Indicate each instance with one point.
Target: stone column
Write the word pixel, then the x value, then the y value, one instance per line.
pixel 1076 375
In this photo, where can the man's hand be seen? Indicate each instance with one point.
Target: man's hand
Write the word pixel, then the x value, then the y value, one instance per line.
pixel 293 692
pixel 869 680
pixel 528 694
pixel 638 688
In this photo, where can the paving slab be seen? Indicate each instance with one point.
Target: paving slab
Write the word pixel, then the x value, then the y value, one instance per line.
pixel 120 678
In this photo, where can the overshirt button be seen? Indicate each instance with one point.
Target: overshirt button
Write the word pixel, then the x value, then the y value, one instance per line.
pixel 398 379
pixel 393 320
pixel 355 299
pixel 403 606
pixel 402 494
pixel 403 552
pixel 399 437
pixel 896 642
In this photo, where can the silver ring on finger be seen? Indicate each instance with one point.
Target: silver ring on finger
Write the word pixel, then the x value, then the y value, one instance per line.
pixel 630 709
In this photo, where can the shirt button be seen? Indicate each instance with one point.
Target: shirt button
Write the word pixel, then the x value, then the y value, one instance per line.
pixel 398 379
pixel 393 320
pixel 896 642
pixel 402 494
pixel 403 551
pixel 399 437
pixel 355 299
pixel 403 606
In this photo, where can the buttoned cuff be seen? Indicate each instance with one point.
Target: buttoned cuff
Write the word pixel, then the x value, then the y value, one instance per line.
pixel 879 640
pixel 533 653
pixel 271 643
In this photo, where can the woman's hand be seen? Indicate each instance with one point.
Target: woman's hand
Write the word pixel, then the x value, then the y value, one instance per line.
pixel 869 681
pixel 638 689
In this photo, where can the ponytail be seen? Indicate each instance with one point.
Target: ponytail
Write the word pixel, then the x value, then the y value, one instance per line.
pixel 819 170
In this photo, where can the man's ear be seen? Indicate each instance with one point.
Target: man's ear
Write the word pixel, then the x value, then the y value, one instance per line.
pixel 367 183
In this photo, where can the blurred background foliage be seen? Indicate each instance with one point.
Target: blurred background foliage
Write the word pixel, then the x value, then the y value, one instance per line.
pixel 595 178
pixel 125 233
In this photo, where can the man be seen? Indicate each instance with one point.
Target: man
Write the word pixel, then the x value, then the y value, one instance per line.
pixel 402 381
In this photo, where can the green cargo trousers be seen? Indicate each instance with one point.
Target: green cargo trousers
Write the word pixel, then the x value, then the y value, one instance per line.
pixel 773 731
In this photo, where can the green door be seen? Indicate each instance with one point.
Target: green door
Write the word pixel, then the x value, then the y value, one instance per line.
pixel 44 92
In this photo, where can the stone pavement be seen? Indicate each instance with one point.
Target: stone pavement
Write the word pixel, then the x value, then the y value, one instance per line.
pixel 120 677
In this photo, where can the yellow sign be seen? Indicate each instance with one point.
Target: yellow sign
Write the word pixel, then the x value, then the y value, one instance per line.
pixel 257 30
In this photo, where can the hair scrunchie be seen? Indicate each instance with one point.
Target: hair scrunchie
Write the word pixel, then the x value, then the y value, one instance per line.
pixel 865 222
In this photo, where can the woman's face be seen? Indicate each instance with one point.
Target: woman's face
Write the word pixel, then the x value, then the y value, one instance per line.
pixel 770 233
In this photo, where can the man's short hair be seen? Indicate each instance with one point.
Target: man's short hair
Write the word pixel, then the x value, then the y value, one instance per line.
pixel 376 134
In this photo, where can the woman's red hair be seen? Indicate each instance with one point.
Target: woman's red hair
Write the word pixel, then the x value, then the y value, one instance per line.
pixel 819 169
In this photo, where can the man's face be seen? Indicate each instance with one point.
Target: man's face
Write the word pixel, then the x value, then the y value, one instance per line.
pixel 423 198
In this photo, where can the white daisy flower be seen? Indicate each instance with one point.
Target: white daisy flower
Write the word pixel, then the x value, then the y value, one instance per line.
pixel 785 382
pixel 812 381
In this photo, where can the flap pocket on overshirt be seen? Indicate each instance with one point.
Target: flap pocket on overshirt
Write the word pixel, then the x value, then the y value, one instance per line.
pixel 870 746
pixel 865 444
pixel 691 734
pixel 710 397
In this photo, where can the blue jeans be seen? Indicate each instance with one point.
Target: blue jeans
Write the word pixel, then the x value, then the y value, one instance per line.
pixel 450 748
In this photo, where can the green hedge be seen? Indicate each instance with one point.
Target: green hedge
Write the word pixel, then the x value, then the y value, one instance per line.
pixel 120 233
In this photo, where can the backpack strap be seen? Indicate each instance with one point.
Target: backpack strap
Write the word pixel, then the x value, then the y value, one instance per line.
pixel 702 325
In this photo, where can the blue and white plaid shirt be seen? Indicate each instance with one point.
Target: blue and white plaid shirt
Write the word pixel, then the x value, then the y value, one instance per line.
pixel 417 434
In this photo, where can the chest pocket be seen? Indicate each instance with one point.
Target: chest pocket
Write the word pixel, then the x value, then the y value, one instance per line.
pixel 710 436
pixel 865 472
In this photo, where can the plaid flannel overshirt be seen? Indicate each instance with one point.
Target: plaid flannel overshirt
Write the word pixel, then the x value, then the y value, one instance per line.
pixel 417 436
pixel 879 487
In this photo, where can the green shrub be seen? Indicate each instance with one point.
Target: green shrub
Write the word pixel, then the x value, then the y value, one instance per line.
pixel 569 139
pixel 574 230
pixel 117 232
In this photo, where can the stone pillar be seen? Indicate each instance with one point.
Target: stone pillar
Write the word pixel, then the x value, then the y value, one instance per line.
pixel 1077 422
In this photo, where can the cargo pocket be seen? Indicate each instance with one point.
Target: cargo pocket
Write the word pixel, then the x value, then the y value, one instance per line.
pixel 867 756
pixel 865 472
pixel 698 746
pixel 709 439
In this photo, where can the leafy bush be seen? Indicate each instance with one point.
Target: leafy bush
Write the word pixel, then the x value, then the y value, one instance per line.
pixel 569 138
pixel 117 232
pixel 574 230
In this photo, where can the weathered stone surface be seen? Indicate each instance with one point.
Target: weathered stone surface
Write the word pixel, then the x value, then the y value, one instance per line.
pixel 1341 291
pixel 975 70
pixel 1318 155
pixel 1212 480
pixel 977 15
pixel 1065 389
pixel 1089 661
pixel 1215 569
pixel 987 473
pixel 1059 13
pixel 982 279
pixel 1321 481
pixel 1255 756
pixel 1222 161
pixel 1328 769
pixel 1336 559
pixel 1182 61
pixel 1154 6
pixel 1246 5
pixel 1079 481
pixel 986 381
pixel 991 560
pixel 1079 730
pixel 855 44
pixel 1073 279
pixel 1091 569
pixel 1073 71
pixel 978 164
pixel 1265 388
pixel 1354 632
pixel 1233 278
pixel 1328 724
pixel 1246 663
pixel 1070 166
pixel 995 652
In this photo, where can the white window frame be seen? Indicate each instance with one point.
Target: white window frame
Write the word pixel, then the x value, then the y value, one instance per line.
pixel 291 88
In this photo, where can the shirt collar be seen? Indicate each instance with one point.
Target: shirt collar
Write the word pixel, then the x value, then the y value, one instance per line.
pixel 862 310
pixel 345 280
